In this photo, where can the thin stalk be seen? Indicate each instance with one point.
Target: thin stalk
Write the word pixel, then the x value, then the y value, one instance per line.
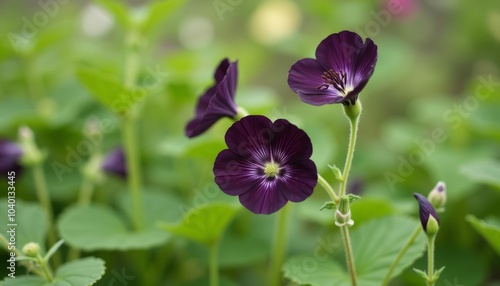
pixel 130 136
pixel 86 191
pixel 46 269
pixel 350 154
pixel 44 198
pixel 401 253
pixel 328 188
pixel 214 264
pixel 279 246
pixel 349 254
pixel 430 260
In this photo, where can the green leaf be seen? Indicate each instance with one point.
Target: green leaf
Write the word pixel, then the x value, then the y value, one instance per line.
pixel 205 224
pixel 159 11
pixel 107 90
pixel 117 9
pixel 32 224
pixel 100 227
pixel 483 172
pixel 375 244
pixel 488 231
pixel 82 272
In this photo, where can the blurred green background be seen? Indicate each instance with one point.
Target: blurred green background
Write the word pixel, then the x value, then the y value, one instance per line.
pixel 437 73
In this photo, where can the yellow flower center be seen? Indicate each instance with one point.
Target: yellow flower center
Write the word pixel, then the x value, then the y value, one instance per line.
pixel 271 169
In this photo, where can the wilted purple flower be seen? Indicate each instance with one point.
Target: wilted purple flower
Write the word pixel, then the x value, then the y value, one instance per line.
pixel 217 101
pixel 426 210
pixel 10 154
pixel 342 67
pixel 115 163
pixel 266 164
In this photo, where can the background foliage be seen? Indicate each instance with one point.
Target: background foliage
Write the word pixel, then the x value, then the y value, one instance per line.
pixel 430 113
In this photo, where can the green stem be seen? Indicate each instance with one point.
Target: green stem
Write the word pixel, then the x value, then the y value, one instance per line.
pixel 45 267
pixel 86 191
pixel 279 246
pixel 328 188
pixel 214 267
pixel 350 154
pixel 134 176
pixel 430 260
pixel 403 251
pixel 130 134
pixel 349 254
pixel 44 198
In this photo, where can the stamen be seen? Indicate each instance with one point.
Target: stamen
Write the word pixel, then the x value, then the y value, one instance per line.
pixel 336 79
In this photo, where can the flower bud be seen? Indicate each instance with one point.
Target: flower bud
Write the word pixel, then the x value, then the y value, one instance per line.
pixel 437 197
pixel 115 163
pixel 343 213
pixel 31 249
pixel 428 216
pixel 31 153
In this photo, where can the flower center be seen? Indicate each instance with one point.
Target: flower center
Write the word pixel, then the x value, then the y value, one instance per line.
pixel 335 79
pixel 271 169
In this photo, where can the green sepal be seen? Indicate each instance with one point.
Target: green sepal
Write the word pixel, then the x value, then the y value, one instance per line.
pixel 352 197
pixel 330 205
pixel 337 173
pixel 437 273
pixel 421 274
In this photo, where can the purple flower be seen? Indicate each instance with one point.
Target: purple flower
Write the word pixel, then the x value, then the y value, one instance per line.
pixel 342 67
pixel 217 101
pixel 266 164
pixel 115 163
pixel 426 210
pixel 10 154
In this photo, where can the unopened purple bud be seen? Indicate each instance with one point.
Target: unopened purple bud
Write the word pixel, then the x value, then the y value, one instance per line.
pixel 426 212
pixel 115 163
pixel 10 154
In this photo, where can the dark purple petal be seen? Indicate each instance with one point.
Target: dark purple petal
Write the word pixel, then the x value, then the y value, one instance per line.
pixel 263 198
pixel 304 78
pixel 221 70
pixel 299 180
pixel 115 163
pixel 251 137
pixel 290 142
pixel 425 209
pixel 234 174
pixel 217 102
pixel 10 155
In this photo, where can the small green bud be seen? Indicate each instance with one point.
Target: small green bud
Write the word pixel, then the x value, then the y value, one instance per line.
pixel 437 197
pixel 343 213
pixel 31 249
pixel 31 153
pixel 352 111
pixel 432 226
